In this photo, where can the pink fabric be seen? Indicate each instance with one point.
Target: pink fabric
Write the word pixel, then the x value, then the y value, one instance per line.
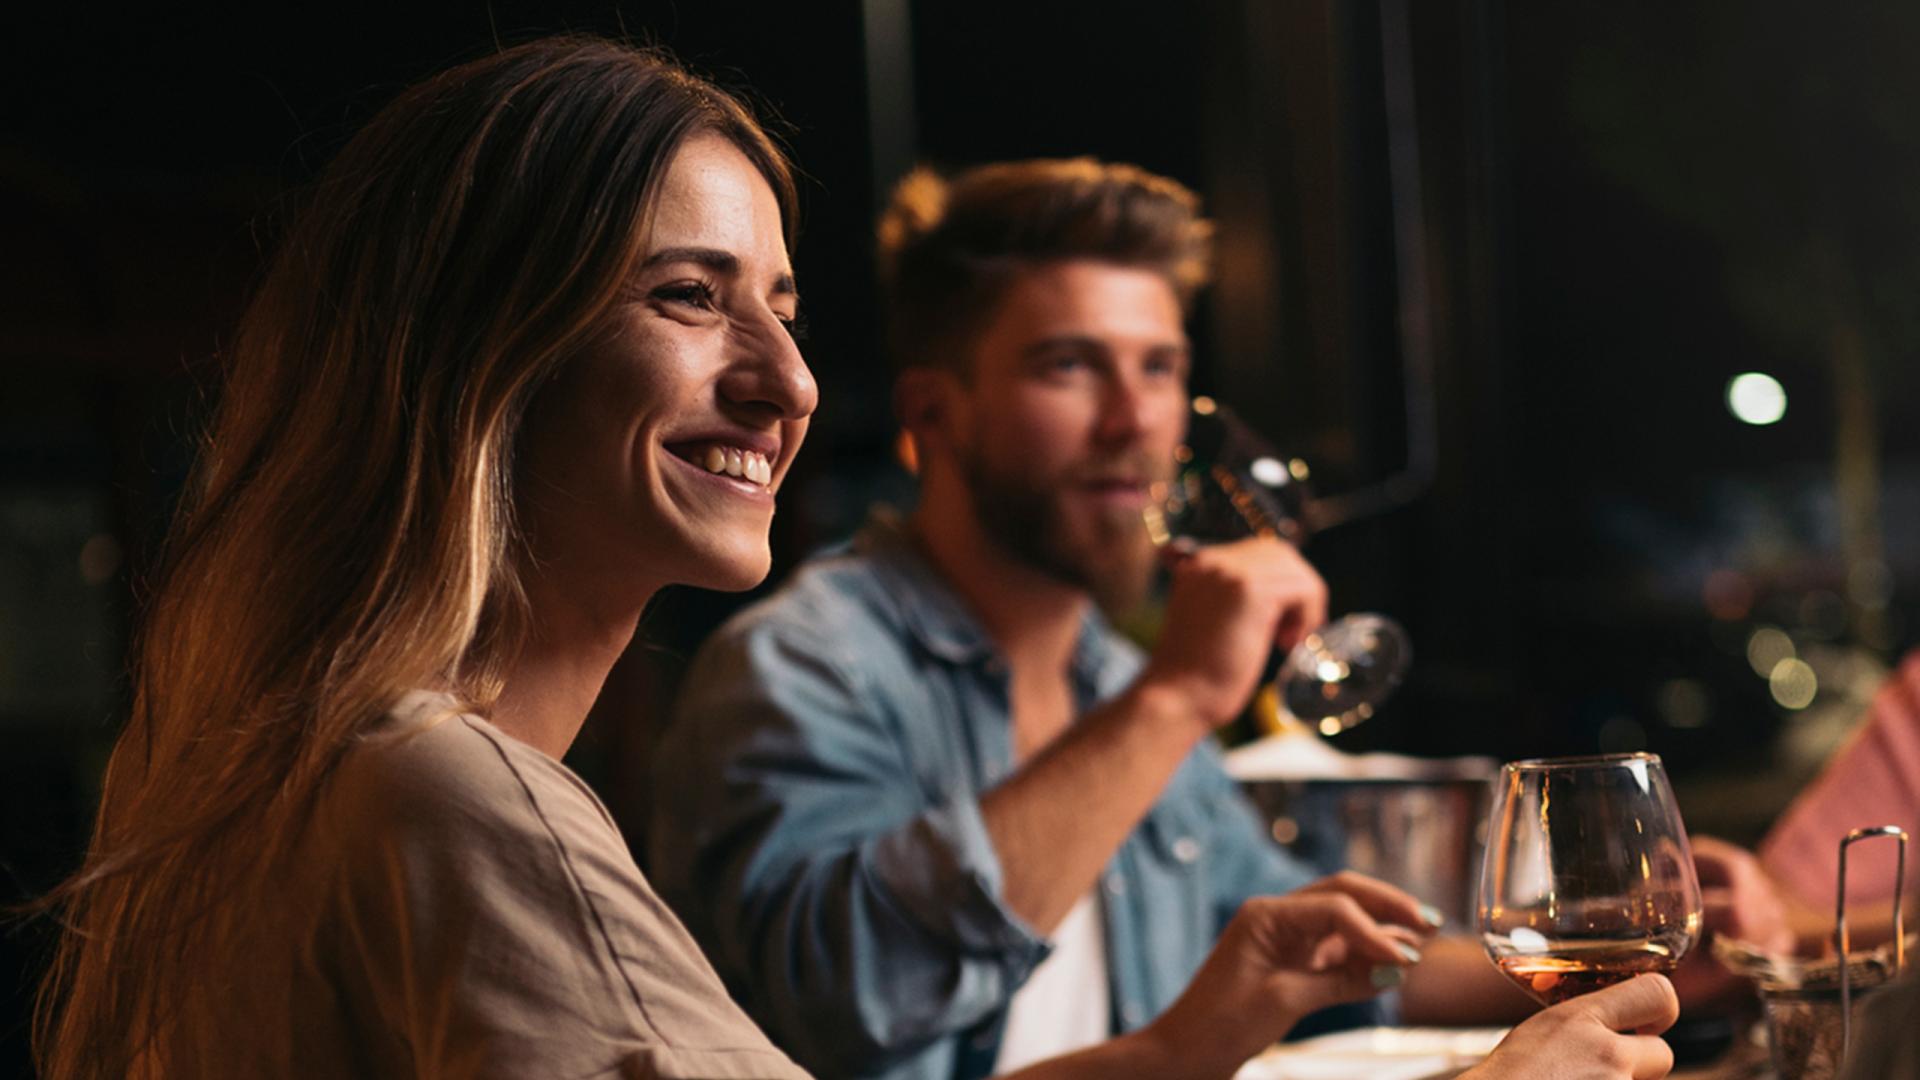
pixel 1873 780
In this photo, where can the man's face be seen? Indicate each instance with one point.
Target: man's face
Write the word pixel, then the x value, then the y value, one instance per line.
pixel 1076 399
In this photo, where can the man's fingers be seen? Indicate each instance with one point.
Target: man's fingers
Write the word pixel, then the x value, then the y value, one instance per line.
pixel 1402 935
pixel 1304 917
pixel 1336 985
pixel 1366 938
pixel 1330 953
pixel 1303 612
pixel 1377 898
pixel 1177 550
pixel 1645 1004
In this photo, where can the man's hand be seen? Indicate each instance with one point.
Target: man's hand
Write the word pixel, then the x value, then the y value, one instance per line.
pixel 1059 818
pixel 1343 938
pixel 1229 607
pixel 1581 1040
pixel 1738 901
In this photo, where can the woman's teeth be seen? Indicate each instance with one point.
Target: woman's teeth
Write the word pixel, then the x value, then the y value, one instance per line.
pixel 733 461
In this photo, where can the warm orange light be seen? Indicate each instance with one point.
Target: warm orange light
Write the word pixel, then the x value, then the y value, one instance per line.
pixel 906 452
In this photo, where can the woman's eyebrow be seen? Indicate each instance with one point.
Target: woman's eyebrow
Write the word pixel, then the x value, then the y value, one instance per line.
pixel 718 261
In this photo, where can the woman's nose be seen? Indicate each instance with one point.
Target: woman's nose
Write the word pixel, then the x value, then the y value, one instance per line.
pixel 772 374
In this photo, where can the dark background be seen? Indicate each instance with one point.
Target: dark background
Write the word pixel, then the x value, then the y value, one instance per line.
pixel 1488 266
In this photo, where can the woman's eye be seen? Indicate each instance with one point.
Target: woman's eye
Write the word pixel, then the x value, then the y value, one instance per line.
pixel 697 294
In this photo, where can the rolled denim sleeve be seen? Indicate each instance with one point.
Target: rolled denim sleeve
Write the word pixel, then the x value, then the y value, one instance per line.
pixel 857 914
pixel 943 870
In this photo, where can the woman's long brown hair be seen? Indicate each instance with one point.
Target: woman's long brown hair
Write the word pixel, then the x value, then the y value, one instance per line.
pixel 350 533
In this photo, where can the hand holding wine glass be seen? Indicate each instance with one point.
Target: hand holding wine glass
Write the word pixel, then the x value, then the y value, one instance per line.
pixel 1226 606
pixel 1588 879
pixel 1230 486
pixel 1610 1034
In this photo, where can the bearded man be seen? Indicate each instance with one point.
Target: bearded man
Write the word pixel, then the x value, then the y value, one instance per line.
pixel 926 811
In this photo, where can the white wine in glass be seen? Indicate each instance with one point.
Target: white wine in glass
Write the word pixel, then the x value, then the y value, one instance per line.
pixel 1588 879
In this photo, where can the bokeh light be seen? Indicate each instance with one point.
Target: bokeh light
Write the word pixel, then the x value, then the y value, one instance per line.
pixel 1756 398
pixel 1766 648
pixel 1270 472
pixel 1793 683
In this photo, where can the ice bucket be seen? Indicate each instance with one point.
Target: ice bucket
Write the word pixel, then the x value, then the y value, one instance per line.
pixel 1415 823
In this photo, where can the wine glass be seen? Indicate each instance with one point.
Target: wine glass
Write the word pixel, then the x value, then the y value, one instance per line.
pixel 1229 484
pixel 1588 879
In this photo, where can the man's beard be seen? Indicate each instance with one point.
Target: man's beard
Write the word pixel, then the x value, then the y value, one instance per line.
pixel 1113 560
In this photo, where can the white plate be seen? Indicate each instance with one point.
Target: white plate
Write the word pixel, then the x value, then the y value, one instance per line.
pixel 1381 1053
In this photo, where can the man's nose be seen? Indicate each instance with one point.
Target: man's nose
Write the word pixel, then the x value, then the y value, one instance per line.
pixel 1128 410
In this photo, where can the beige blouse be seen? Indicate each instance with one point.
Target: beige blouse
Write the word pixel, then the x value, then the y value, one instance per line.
pixel 476 914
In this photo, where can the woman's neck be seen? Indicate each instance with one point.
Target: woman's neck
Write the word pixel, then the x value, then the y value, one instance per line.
pixel 572 643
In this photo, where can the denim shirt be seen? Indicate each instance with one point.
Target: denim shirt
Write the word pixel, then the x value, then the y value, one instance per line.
pixel 816 823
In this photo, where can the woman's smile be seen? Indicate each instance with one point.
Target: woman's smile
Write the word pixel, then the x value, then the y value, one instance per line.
pixel 747 460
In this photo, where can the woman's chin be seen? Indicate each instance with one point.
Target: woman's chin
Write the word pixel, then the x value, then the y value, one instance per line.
pixel 732 571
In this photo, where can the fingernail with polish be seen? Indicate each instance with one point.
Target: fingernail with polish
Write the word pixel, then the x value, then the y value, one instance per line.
pixel 1431 915
pixel 1412 954
pixel 1387 976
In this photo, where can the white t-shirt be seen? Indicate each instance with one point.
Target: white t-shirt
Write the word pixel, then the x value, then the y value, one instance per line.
pixel 1064 1005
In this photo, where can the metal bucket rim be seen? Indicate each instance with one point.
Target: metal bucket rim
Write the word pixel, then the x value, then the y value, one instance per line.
pixel 1581 761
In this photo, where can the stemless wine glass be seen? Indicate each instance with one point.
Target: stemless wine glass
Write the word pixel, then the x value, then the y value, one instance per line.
pixel 1588 878
pixel 1230 484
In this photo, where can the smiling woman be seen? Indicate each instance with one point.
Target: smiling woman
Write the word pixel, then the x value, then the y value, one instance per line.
pixel 464 438
pixel 661 445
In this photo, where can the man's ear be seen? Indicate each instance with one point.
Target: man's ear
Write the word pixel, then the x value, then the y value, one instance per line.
pixel 925 400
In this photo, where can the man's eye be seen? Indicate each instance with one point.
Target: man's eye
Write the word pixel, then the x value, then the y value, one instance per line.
pixel 796 326
pixel 697 294
pixel 1167 366
pixel 1065 364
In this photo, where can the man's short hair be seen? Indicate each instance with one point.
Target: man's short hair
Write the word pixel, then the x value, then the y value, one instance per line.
pixel 948 248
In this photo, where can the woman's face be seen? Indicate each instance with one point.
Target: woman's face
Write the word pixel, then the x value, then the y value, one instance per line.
pixel 654 455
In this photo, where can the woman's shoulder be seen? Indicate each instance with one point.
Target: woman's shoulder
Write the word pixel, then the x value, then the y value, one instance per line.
pixel 487 880
pixel 433 772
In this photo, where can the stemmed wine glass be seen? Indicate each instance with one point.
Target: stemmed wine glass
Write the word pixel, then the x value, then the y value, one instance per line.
pixel 1230 484
pixel 1588 879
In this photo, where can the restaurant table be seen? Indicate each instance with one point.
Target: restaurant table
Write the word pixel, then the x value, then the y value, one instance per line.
pixel 1438 1053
